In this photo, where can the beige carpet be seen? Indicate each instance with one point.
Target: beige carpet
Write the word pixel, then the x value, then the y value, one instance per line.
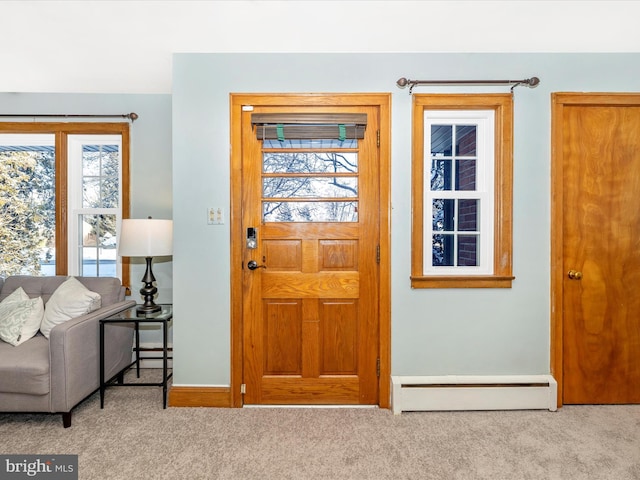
pixel 134 438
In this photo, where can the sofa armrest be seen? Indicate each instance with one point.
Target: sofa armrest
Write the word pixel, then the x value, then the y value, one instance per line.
pixel 74 352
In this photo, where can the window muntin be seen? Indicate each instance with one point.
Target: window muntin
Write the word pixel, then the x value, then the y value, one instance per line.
pixel 455 233
pixel 462 180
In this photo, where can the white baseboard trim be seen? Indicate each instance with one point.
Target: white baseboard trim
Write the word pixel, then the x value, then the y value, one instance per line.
pixel 475 392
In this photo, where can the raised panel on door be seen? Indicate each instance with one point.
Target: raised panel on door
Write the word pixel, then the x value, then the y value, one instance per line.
pixel 339 340
pixel 282 337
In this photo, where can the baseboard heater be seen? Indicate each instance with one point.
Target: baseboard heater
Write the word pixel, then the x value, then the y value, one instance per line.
pixel 476 392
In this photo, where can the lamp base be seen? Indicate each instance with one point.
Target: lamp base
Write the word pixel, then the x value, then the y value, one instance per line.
pixel 143 310
pixel 148 292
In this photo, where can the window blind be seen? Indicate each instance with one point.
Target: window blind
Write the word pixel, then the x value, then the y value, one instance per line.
pixel 281 126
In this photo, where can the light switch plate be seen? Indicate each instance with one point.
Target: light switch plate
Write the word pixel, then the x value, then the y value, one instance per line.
pixel 215 216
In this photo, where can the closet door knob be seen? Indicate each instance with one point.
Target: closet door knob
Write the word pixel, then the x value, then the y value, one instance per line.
pixel 574 275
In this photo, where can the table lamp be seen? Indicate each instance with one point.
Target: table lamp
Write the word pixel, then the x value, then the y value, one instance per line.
pixel 148 238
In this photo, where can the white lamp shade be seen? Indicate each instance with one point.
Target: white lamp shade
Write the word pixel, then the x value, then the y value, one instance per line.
pixel 148 237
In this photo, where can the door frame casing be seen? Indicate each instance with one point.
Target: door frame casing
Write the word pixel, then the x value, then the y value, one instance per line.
pixel 383 102
pixel 558 101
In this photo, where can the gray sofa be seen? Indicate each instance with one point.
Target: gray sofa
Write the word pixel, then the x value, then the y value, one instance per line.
pixel 54 375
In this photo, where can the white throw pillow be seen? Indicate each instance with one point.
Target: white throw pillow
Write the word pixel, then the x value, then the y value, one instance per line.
pixel 33 320
pixel 20 317
pixel 70 300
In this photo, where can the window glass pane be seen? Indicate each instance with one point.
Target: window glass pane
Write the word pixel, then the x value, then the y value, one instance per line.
pixel 98 245
pixel 27 200
pixel 90 164
pixel 442 255
pixel 310 187
pixel 110 160
pixel 466 140
pixel 440 175
pixel 310 211
pixel 468 250
pixel 91 192
pixel 468 215
pixel 443 214
pixel 311 144
pixel 466 173
pixel 310 162
pixel 441 140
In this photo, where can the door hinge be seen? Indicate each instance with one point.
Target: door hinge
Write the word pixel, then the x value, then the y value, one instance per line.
pixel 378 367
pixel 377 138
pixel 377 253
pixel 243 389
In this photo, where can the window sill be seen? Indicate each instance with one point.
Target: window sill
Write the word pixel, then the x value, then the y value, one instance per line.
pixel 484 281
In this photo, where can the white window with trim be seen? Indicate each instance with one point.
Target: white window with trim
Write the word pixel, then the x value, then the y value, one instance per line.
pixel 462 177
pixel 95 179
pixel 458 188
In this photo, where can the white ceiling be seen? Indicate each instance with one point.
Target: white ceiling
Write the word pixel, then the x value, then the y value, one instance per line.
pixel 126 46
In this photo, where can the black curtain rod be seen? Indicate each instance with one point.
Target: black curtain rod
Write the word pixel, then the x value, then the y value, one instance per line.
pixel 131 116
pixel 531 82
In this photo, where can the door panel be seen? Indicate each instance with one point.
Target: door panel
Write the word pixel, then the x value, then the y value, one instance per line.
pixel 283 335
pixel 311 313
pixel 601 251
pixel 339 337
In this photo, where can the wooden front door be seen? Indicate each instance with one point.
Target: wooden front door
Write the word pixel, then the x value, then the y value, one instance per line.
pixel 310 301
pixel 597 247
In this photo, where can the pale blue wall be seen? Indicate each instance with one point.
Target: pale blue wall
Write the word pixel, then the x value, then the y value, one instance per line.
pixel 150 167
pixel 483 331
pixel 180 166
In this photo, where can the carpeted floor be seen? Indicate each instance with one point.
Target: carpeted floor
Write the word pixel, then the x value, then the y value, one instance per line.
pixel 134 438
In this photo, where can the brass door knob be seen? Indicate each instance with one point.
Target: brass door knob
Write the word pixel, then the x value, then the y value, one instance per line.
pixel 575 275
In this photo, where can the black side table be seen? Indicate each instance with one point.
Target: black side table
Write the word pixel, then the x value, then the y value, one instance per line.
pixel 130 315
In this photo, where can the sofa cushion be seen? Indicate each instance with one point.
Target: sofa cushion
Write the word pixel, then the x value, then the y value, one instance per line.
pixel 33 286
pixel 109 288
pixel 70 300
pixel 20 317
pixel 25 368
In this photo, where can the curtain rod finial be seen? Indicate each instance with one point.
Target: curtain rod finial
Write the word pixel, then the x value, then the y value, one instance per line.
pixel 402 82
pixel 133 116
pixel 533 82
